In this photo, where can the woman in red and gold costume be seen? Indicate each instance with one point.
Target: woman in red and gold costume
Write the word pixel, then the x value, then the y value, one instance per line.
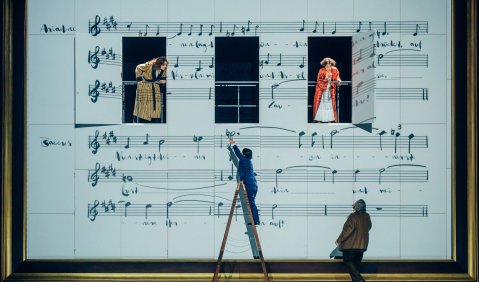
pixel 324 106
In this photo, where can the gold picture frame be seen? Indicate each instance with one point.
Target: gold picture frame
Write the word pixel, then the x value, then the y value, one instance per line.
pixel 461 267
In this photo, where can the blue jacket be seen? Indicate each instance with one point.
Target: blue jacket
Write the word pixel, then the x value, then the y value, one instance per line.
pixel 245 168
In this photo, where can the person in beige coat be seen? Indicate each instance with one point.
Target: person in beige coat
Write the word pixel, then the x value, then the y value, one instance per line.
pixel 151 78
pixel 354 239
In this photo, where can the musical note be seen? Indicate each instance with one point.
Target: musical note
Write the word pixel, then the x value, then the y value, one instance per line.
pixel 383 27
pixel 256 30
pixel 212 64
pixel 302 64
pixel 126 178
pixel 359 28
pixel 381 173
pixel 92 211
pixel 94 29
pixel 230 177
pixel 267 59
pixel 93 58
pixel 127 204
pixel 94 143
pixel 279 64
pixel 380 139
pixel 168 205
pixel 181 30
pixel 161 142
pixel 360 57
pixel 355 174
pixel 417 28
pixel 157 30
pixel 233 32
pixel 410 137
pixel 359 86
pixel 396 141
pixel 315 27
pixel 177 59
pixel 211 30
pixel 191 30
pixel 146 140
pixel 333 173
pixel 199 66
pixel 220 204
pixel 312 139
pixel 127 143
pixel 332 133
pixel 299 138
pixel 278 171
pixel 209 98
pixel 146 210
pixel 197 139
pixel 273 207
pixel 146 30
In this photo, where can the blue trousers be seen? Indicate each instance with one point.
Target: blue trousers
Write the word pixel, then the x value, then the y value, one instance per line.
pixel 251 190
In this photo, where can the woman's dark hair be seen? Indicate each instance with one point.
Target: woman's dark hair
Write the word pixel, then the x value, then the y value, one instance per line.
pixel 247 153
pixel 160 60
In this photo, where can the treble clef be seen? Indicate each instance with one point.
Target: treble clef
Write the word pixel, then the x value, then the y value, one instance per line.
pixel 94 29
pixel 94 176
pixel 93 58
pixel 95 144
pixel 92 212
pixel 93 91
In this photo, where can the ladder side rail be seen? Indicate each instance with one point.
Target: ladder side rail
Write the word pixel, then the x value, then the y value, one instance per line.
pixel 253 226
pixel 225 237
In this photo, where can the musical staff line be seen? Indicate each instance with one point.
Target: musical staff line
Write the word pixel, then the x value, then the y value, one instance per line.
pixel 108 90
pixel 303 174
pixel 210 208
pixel 404 60
pixel 402 94
pixel 230 28
pixel 380 141
pixel 202 62
pixel 363 54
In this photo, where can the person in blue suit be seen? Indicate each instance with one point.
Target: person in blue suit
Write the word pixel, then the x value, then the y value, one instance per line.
pixel 246 173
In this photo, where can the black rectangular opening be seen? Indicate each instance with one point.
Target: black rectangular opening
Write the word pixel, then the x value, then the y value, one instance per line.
pixel 237 75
